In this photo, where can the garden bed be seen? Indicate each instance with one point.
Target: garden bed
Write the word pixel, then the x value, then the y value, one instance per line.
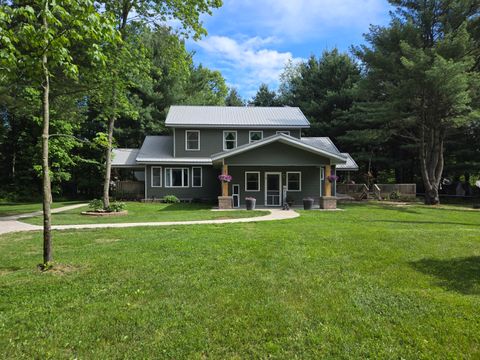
pixel 105 213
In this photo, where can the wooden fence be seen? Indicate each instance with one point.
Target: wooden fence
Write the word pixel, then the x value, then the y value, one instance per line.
pixel 385 191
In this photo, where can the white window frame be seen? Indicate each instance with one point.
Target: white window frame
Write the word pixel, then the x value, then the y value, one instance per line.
pixel 151 176
pixel 246 183
pixel 250 135
pixel 186 140
pixel 286 132
pixel 201 177
pixel 299 180
pixel 224 140
pixel 183 177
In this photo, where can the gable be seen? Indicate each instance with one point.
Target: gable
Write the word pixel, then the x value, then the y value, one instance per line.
pixel 277 153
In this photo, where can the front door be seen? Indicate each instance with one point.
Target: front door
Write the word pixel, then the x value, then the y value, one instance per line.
pixel 236 195
pixel 273 189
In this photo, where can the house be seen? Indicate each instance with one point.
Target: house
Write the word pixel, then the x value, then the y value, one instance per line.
pixel 261 148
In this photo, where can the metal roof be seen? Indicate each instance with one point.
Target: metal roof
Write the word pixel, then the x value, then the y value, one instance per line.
pixel 322 143
pixel 124 157
pixel 284 139
pixel 236 117
pixel 159 149
pixel 351 165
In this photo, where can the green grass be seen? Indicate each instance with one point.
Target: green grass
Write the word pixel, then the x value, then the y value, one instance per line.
pixel 146 212
pixel 15 208
pixel 369 282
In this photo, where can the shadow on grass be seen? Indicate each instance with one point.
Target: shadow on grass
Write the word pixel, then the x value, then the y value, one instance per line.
pixel 424 222
pixel 460 274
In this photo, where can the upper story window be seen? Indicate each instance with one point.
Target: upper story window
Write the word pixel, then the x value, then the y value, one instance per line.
pixel 255 135
pixel 229 139
pixel 286 132
pixel 192 140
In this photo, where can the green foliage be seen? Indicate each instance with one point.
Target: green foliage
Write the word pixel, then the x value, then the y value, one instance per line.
pixel 233 98
pixel 265 97
pixel 117 206
pixel 96 205
pixel 170 199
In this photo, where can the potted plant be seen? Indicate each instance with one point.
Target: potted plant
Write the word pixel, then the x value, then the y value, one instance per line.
pixel 308 203
pixel 332 178
pixel 250 202
pixel 225 178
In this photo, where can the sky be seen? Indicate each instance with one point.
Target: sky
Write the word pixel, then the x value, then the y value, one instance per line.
pixel 250 41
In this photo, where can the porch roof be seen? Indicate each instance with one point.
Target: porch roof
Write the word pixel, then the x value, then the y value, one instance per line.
pixel 329 152
pixel 124 157
pixel 350 165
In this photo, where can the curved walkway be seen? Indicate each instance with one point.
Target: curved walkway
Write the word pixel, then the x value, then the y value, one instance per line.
pixel 275 214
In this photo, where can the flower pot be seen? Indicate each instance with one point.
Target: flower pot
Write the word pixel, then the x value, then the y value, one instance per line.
pixel 307 204
pixel 250 202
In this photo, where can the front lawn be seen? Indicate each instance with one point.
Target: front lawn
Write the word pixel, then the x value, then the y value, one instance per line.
pixel 146 212
pixel 17 208
pixel 370 282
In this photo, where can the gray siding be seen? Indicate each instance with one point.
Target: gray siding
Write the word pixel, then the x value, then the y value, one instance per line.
pixel 209 191
pixel 310 182
pixel 211 140
pixel 277 154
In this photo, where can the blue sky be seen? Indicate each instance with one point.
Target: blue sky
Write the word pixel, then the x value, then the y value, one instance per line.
pixel 250 41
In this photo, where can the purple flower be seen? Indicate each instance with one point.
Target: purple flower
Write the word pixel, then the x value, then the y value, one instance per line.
pixel 225 178
pixel 332 178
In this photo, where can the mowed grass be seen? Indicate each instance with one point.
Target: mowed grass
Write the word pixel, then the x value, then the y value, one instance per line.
pixel 369 282
pixel 147 212
pixel 16 208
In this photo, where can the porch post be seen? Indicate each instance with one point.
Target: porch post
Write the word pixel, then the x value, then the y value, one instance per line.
pixel 328 184
pixel 225 184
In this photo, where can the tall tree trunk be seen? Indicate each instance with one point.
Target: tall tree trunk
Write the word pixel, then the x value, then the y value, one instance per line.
pixel 47 194
pixel 108 164
pixel 431 162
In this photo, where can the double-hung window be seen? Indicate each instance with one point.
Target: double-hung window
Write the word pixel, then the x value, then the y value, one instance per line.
pixel 196 177
pixel 192 140
pixel 294 181
pixel 255 135
pixel 156 176
pixel 229 139
pixel 252 181
pixel 176 177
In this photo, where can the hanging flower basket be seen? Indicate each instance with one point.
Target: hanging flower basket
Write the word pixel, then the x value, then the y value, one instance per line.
pixel 225 178
pixel 332 178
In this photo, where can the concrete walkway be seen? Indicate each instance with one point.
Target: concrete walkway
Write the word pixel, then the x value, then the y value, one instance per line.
pixel 275 214
pixel 10 224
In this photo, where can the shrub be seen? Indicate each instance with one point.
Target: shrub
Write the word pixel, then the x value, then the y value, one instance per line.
pixel 170 199
pixel 96 205
pixel 117 206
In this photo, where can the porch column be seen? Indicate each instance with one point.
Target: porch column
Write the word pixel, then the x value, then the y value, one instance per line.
pixel 224 184
pixel 328 184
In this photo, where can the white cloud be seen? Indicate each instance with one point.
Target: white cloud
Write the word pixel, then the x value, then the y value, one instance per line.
pixel 248 61
pixel 300 19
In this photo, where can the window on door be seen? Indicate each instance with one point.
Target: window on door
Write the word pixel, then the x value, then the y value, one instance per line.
pixel 176 177
pixel 156 176
pixel 229 140
pixel 196 177
pixel 294 181
pixel 192 140
pixel 252 181
pixel 255 136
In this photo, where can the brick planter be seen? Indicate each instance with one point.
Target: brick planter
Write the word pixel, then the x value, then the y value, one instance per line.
pixel 328 202
pixel 225 202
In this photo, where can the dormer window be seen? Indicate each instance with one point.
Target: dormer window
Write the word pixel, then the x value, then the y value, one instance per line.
pixel 229 139
pixel 192 140
pixel 255 135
